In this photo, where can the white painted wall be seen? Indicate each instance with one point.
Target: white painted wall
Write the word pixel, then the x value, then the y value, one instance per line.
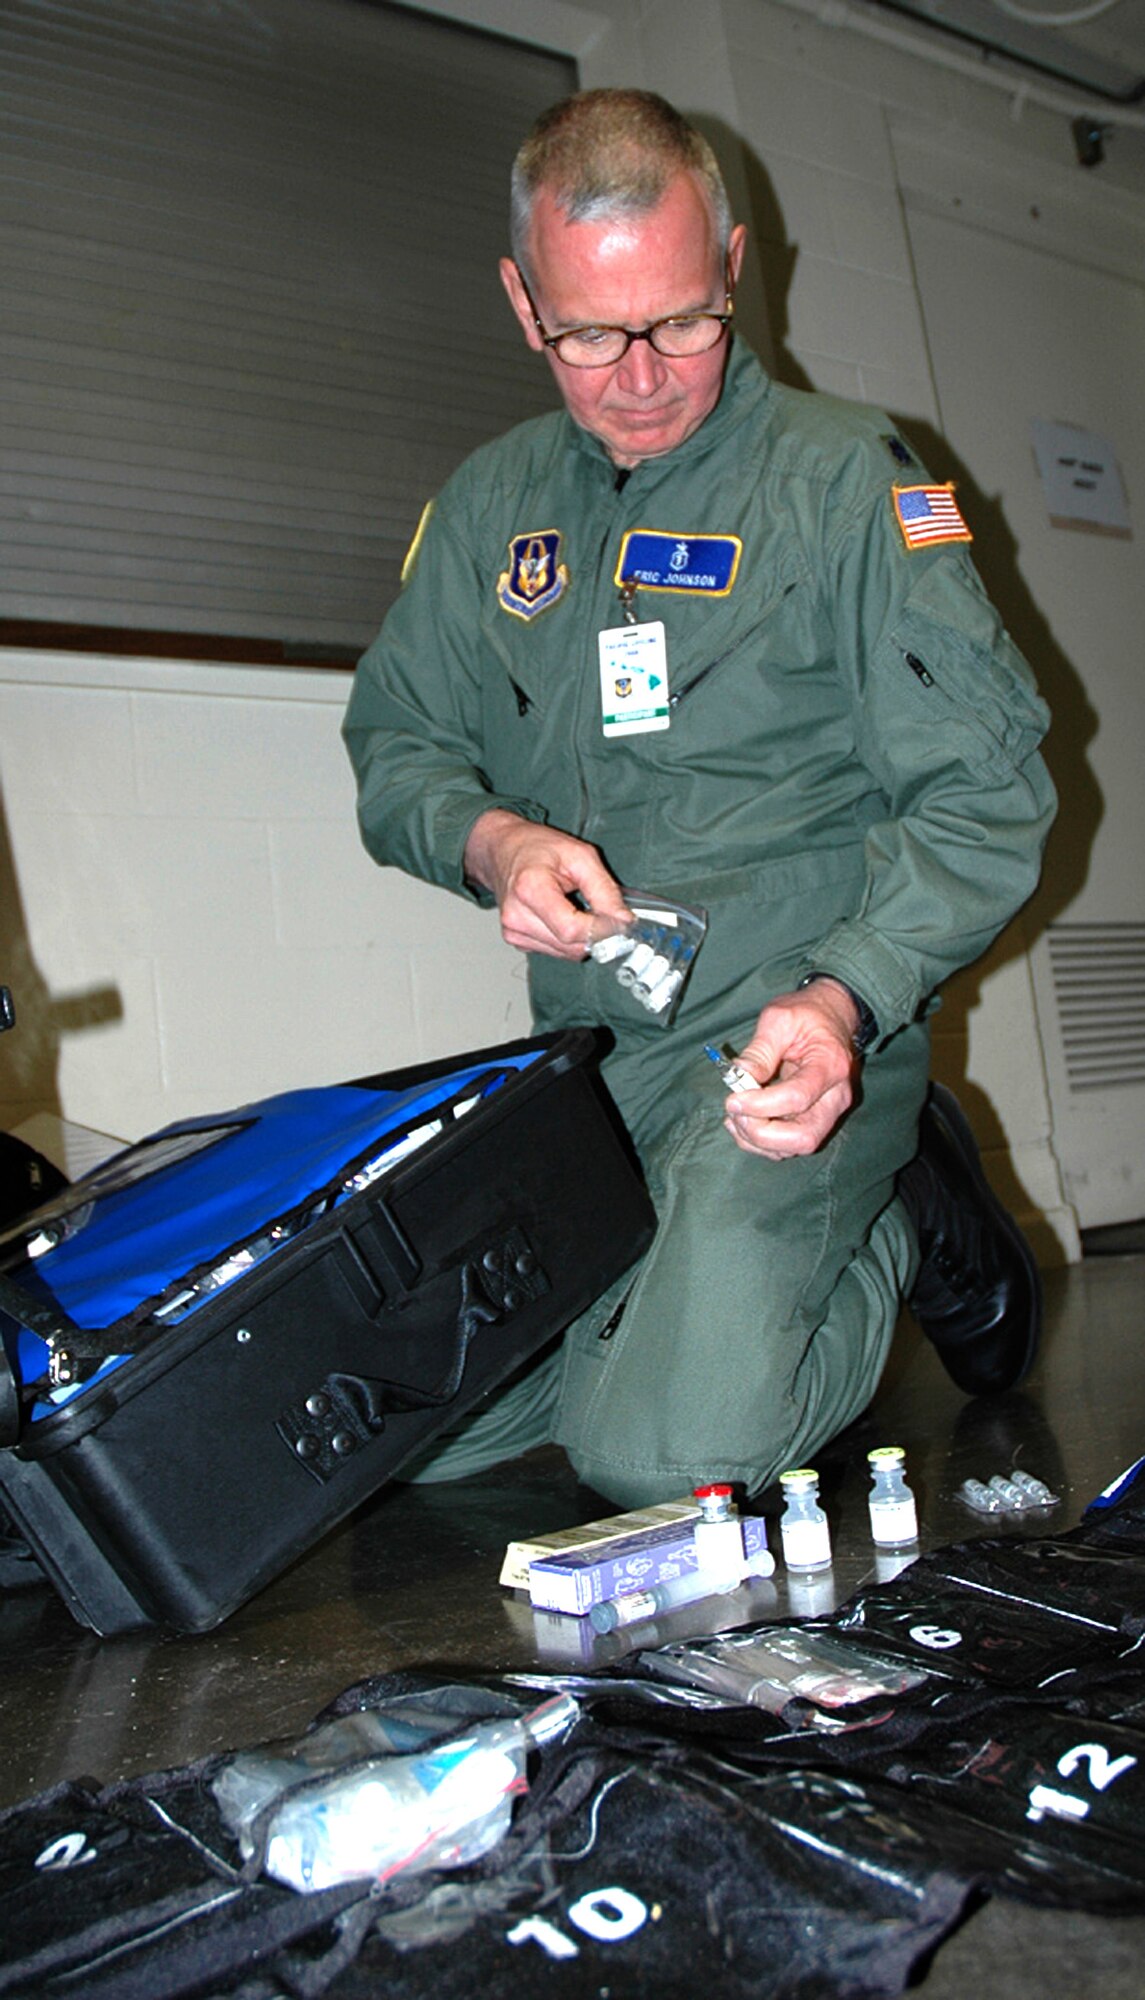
pixel 191 920
pixel 1076 332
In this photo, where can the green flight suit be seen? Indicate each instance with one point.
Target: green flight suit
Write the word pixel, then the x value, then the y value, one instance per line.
pixel 849 784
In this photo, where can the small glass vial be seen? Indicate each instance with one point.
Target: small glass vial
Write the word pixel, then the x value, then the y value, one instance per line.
pixel 894 1517
pixel 806 1536
pixel 719 1537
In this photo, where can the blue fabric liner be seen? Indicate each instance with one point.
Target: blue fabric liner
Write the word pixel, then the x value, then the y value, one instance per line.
pixel 144 1238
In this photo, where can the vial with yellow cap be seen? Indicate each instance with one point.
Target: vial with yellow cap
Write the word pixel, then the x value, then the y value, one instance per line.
pixel 894 1517
pixel 803 1528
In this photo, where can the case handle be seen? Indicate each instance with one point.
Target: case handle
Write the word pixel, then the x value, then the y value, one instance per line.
pixel 344 1411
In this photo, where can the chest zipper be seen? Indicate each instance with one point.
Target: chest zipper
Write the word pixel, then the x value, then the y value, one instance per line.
pixel 698 679
pixel 916 666
pixel 584 813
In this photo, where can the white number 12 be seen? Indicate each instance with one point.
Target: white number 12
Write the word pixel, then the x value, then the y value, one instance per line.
pixel 1102 1771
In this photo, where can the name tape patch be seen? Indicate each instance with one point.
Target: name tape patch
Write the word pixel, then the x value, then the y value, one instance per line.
pixel 699 564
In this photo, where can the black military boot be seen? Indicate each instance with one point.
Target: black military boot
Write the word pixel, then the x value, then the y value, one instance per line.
pixel 977 1295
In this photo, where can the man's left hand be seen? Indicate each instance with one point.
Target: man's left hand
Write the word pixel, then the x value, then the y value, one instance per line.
pixel 802 1050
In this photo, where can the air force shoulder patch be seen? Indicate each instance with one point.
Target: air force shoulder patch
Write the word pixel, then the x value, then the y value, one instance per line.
pixel 535 578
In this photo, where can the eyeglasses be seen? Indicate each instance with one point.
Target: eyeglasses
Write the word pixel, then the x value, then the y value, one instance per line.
pixel 678 337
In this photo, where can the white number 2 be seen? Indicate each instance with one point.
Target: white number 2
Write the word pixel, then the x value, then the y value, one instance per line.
pixel 1102 1770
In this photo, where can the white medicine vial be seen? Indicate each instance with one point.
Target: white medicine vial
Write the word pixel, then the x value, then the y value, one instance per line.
pixel 651 976
pixel 636 964
pixel 894 1517
pixel 806 1536
pixel 718 1537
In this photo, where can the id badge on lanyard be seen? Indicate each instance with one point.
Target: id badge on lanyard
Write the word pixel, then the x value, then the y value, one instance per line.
pixel 633 678
pixel 634 696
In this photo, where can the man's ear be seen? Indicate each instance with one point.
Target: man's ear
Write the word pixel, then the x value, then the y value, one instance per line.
pixel 515 290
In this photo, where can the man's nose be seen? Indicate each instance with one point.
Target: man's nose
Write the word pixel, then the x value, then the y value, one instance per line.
pixel 641 371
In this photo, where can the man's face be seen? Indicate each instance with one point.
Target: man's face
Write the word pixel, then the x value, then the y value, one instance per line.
pixel 629 272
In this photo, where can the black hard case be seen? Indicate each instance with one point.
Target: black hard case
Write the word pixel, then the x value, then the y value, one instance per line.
pixel 177 1486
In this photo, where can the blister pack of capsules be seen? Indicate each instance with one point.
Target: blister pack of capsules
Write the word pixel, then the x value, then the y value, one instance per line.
pixel 1015 1493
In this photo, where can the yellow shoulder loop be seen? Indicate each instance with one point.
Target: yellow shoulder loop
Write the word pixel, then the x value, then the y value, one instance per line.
pixel 419 531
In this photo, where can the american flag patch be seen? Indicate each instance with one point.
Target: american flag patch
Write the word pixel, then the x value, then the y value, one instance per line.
pixel 929 514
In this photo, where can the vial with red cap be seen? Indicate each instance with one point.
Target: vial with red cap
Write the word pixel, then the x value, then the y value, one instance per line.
pixel 718 1536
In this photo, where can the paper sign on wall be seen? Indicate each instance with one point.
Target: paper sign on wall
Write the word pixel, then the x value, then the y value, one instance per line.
pixel 1080 479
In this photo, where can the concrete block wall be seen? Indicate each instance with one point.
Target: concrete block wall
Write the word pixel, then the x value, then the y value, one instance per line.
pixel 189 919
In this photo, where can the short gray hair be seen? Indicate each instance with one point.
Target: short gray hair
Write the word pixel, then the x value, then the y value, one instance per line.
pixel 604 153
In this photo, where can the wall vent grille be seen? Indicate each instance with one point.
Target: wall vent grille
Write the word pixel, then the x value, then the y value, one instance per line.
pixel 1098 973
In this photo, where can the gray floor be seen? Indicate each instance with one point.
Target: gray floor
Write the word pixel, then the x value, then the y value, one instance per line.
pixel 413 1581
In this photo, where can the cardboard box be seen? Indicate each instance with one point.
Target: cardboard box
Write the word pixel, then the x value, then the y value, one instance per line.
pixel 580 1578
pixel 591 1535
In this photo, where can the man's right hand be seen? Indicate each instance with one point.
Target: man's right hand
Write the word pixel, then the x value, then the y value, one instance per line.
pixel 533 870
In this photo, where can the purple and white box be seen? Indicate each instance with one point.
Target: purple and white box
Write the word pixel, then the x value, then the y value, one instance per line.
pixel 581 1578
